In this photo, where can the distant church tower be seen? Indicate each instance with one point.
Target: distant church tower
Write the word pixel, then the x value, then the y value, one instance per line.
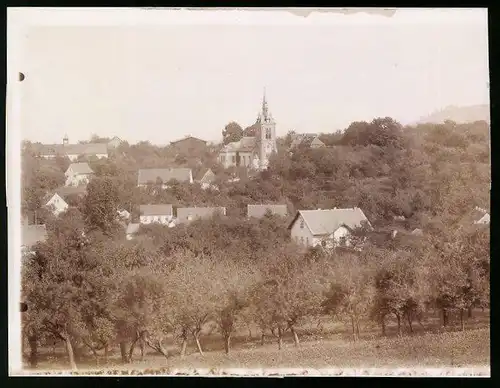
pixel 65 139
pixel 266 135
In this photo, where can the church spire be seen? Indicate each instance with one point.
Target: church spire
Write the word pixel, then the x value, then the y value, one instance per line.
pixel 264 104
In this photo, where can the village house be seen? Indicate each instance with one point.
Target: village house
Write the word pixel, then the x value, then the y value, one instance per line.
pixel 162 214
pixel 258 211
pixel 187 214
pixel 72 151
pixel 132 230
pixel 253 151
pixel 78 174
pixel 303 138
pixel 59 201
pixel 317 143
pixel 152 176
pixel 328 227
pixel 207 179
pixel 189 145
pixel 123 214
pixel 30 236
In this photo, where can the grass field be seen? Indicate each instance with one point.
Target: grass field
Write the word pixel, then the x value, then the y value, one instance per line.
pixel 321 348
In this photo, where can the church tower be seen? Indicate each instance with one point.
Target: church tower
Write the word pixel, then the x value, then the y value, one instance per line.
pixel 266 135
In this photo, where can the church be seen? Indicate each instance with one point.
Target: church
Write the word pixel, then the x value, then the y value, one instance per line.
pixel 253 151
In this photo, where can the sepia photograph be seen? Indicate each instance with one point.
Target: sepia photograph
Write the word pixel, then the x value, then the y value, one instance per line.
pixel 248 192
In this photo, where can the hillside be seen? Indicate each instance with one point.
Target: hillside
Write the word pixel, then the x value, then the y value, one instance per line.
pixel 459 114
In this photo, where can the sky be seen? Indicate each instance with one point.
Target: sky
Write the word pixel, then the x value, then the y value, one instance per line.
pixel 179 76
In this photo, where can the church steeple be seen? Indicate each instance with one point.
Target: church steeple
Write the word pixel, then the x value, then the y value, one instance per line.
pixel 265 113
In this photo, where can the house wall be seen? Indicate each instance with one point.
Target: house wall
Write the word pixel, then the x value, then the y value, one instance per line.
pixel 228 158
pixel 59 205
pixel 301 235
pixel 78 179
pixel 162 219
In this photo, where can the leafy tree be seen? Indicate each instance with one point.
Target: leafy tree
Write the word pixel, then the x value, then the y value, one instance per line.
pixel 101 204
pixel 232 132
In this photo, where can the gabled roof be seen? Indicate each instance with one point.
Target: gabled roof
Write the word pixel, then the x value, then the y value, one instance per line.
pixel 208 177
pixel 156 210
pixel 321 222
pixel 484 219
pixel 186 214
pixel 133 228
pixel 31 234
pixel 150 175
pixel 417 232
pixel 316 142
pixel 246 144
pixel 66 191
pixel 258 211
pixel 188 138
pixel 81 168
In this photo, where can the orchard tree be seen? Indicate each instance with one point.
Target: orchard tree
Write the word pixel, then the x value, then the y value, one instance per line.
pixel 288 291
pixel 351 290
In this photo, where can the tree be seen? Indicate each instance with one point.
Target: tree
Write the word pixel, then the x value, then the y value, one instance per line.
pixel 101 204
pixel 232 132
pixel 288 291
pixel 351 290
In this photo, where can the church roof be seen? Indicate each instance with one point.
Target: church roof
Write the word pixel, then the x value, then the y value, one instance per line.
pixel 246 144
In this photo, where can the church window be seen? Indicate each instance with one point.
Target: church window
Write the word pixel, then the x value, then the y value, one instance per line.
pixel 307 240
pixel 302 240
pixel 268 133
pixel 301 224
pixel 234 159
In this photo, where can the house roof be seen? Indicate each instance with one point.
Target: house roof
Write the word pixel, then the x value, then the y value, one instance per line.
pixel 208 177
pixel 321 222
pixel 188 138
pixel 185 214
pixel 484 219
pixel 132 228
pixel 81 168
pixel 31 234
pixel 417 232
pixel 156 210
pixel 258 211
pixel 302 137
pixel 245 144
pixel 66 191
pixel 317 142
pixel 150 175
pixel 73 149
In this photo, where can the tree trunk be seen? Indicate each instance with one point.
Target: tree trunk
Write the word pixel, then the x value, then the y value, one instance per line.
pixel 409 317
pixel 33 358
pixel 383 325
pixel 131 350
pixel 295 336
pixel 445 318
pixel 123 351
pixel 96 356
pixel 227 343
pixel 198 345
pixel 357 328
pixel 249 333
pixel 280 338
pixel 262 338
pixel 399 324
pixel 184 345
pixel 69 350
pixel 106 354
pixel 469 312
pixel 142 346
pixel 353 330
pixel 462 323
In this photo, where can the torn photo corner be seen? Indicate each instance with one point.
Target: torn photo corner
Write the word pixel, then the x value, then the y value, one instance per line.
pixel 248 192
